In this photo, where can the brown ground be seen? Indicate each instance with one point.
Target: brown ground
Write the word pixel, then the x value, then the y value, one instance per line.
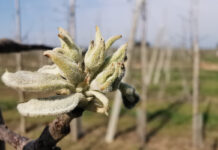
pixel 209 66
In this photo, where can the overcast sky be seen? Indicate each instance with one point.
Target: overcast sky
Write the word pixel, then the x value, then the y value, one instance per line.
pixel 40 19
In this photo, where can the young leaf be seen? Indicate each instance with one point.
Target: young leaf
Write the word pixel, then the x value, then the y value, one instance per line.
pixel 51 69
pixel 35 81
pixel 111 40
pixel 69 48
pixel 50 106
pixel 95 56
pixel 70 69
pixel 118 56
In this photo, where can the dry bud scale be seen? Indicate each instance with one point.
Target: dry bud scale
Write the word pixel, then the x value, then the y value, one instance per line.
pixel 80 81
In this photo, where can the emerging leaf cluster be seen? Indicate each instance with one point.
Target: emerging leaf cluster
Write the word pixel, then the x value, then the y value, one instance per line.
pixel 79 81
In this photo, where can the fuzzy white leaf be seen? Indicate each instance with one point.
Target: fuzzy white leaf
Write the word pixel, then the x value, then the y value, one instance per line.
pixel 51 69
pixel 69 48
pixel 34 81
pixel 95 56
pixel 111 40
pixel 71 70
pixel 118 56
pixel 50 106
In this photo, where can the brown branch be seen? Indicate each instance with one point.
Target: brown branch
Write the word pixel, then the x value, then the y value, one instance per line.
pixel 48 139
pixel 10 46
pixel 2 143
pixel 12 138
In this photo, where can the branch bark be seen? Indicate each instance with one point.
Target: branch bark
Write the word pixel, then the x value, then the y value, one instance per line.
pixel 2 143
pixel 48 139
pixel 12 138
pixel 10 46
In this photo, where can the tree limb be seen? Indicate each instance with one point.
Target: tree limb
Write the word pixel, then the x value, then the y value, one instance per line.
pixel 48 139
pixel 2 143
pixel 10 46
pixel 12 138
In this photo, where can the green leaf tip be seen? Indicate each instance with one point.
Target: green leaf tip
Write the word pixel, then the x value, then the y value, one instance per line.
pixel 111 40
pixel 69 48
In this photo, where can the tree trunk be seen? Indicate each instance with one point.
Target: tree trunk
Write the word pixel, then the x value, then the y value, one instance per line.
pixel 19 60
pixel 154 56
pixel 76 124
pixel 117 101
pixel 141 112
pixel 159 67
pixel 151 65
pixel 195 93
pixel 167 64
pixel 183 63
pixel 72 19
pixel 195 83
pixel 112 125
pixel 131 41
